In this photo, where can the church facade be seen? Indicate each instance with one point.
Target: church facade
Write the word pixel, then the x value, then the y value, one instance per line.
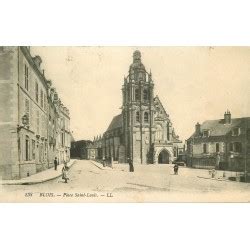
pixel 143 131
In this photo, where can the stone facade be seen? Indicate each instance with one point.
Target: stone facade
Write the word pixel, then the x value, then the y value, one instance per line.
pixel 221 144
pixel 143 131
pixel 30 115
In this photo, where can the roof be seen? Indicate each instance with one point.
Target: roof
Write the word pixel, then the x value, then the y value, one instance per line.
pixel 115 123
pixel 157 100
pixel 219 128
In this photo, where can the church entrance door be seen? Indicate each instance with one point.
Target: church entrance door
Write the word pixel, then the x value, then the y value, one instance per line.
pixel 163 157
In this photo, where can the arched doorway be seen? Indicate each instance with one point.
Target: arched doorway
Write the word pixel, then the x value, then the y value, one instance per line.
pixel 163 157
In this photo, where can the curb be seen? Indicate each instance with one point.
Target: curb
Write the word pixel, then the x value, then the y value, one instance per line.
pixel 97 165
pixel 106 168
pixel 213 179
pixel 37 182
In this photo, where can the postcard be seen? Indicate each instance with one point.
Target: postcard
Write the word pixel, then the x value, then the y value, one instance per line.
pixel 124 124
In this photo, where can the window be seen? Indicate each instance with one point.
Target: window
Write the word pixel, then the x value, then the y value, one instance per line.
pixel 158 133
pixel 33 149
pixel 175 152
pixel 231 147
pixel 238 147
pixel 127 99
pixel 62 139
pixel 44 100
pixel 235 131
pixel 146 117
pixel 137 95
pixel 248 134
pixel 140 75
pixel 40 152
pixel 248 148
pixel 138 116
pixel 26 77
pixel 205 133
pixel 217 145
pixel 145 94
pixel 37 92
pixel 168 132
pixel 37 123
pixel 27 107
pixel 41 98
pixel 205 151
pixel 27 148
pixel 45 151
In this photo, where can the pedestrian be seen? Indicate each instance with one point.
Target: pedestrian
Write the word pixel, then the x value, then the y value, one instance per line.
pixel 213 173
pixel 55 163
pixel 103 162
pixel 131 166
pixel 65 176
pixel 176 167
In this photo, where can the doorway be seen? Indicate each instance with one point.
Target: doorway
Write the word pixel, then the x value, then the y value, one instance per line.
pixel 163 157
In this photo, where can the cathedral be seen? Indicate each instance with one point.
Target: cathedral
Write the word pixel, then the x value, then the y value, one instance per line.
pixel 143 131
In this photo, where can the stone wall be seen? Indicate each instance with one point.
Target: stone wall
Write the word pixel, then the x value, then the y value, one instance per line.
pixel 8 113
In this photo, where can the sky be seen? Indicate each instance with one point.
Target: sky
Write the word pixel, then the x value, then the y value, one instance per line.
pixel 193 83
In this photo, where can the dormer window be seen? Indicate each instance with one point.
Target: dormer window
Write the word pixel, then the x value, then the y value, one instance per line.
pixel 236 132
pixel 205 133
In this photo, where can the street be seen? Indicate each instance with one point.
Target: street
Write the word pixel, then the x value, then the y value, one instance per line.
pixel 148 183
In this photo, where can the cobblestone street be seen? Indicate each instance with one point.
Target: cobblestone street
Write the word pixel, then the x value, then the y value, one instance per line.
pixel 148 181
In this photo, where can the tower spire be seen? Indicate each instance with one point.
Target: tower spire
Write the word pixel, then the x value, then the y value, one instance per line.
pixel 137 56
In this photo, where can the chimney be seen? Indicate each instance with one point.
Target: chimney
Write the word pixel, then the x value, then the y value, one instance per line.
pixel 197 128
pixel 227 117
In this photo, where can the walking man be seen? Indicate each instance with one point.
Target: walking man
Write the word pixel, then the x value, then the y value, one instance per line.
pixel 55 163
pixel 131 166
pixel 176 167
pixel 103 162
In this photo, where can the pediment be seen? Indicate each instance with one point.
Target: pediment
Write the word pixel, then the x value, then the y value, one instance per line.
pixel 160 112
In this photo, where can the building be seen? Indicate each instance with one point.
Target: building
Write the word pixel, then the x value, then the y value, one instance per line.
pixel 94 149
pixel 30 115
pixel 79 149
pixel 143 131
pixel 221 144
pixel 64 135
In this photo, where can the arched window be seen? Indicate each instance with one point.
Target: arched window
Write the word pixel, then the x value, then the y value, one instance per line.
pixel 137 116
pixel 158 133
pixel 145 94
pixel 137 95
pixel 146 117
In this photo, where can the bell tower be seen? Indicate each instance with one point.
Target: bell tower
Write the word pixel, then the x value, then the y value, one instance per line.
pixel 137 111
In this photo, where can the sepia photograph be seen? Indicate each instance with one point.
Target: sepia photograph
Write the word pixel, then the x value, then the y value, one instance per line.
pixel 124 124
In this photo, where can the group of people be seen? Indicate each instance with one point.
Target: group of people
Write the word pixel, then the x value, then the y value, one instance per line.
pixel 65 170
pixel 131 166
